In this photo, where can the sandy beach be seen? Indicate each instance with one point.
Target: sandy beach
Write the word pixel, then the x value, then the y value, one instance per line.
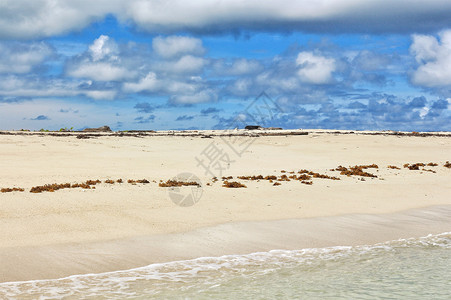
pixel 123 225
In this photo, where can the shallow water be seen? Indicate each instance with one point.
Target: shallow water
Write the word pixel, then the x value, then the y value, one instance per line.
pixel 404 269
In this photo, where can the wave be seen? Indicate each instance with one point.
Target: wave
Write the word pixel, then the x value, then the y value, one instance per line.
pixel 206 272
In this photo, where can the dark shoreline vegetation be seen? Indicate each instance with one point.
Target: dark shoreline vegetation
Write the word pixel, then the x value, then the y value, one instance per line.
pixel 303 176
pixel 217 133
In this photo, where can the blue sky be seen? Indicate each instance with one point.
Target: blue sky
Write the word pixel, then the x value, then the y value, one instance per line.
pixel 146 64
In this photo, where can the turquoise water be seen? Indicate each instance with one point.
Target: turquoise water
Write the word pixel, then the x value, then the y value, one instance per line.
pixel 404 269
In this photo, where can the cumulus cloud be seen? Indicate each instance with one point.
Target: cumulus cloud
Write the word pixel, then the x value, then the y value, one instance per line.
pixel 177 45
pixel 189 91
pixel 206 95
pixel 382 112
pixel 102 47
pixel 102 62
pixel 433 56
pixel 148 83
pixel 418 102
pixel 101 95
pixel 44 18
pixel 237 67
pixel 315 69
pixel 35 87
pixel 367 60
pixel 21 57
pixel 100 71
pixel 187 64
pixel 317 16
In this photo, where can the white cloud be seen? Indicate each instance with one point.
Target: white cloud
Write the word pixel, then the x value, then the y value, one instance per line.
pixel 193 91
pixel 187 64
pixel 434 60
pixel 102 62
pixel 21 58
pixel 370 61
pixel 14 86
pixel 307 15
pixel 100 71
pixel 244 66
pixel 241 86
pixel 237 67
pixel 315 69
pixel 44 18
pixel 199 97
pixel 101 95
pixel 177 45
pixel 149 83
pixel 103 47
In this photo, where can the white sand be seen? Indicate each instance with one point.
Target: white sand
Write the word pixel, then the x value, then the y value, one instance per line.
pixel 121 226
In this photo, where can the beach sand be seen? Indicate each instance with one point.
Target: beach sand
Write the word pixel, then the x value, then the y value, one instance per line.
pixel 122 226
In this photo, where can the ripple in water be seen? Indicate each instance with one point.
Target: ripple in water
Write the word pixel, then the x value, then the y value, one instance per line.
pixel 403 269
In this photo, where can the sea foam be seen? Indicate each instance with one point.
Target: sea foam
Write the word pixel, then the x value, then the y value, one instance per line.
pixel 210 275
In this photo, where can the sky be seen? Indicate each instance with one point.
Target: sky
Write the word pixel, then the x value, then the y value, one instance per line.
pixel 212 64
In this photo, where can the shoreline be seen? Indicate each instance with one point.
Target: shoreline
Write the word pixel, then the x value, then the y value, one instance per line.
pixel 32 263
pixel 263 132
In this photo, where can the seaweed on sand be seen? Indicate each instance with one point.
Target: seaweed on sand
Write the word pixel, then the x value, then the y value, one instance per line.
pixel 233 184
pixel 9 190
pixel 171 183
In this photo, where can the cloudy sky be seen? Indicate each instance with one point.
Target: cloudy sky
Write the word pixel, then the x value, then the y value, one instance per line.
pixel 151 64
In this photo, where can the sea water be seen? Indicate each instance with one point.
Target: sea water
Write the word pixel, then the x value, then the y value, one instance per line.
pixel 417 268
